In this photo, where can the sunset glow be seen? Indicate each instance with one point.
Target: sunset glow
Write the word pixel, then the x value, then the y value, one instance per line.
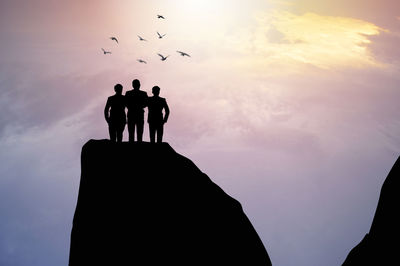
pixel 290 106
pixel 323 41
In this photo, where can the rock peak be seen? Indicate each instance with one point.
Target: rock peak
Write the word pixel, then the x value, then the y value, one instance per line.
pixel 380 245
pixel 142 203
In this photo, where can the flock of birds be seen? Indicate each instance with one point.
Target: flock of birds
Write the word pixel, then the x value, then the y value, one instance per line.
pixel 160 36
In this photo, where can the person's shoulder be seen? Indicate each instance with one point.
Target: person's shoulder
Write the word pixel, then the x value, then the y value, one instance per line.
pixel 143 93
pixel 127 93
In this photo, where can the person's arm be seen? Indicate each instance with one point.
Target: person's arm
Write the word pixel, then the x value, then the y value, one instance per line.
pixel 166 111
pixel 106 111
pixel 145 100
pixel 125 102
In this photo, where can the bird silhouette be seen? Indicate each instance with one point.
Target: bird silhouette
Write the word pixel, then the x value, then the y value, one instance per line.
pixel 183 53
pixel 163 58
pixel 142 39
pixel 105 52
pixel 159 16
pixel 142 61
pixel 159 35
pixel 114 39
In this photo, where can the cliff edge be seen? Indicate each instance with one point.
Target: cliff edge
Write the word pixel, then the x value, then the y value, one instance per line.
pixel 144 204
pixel 381 245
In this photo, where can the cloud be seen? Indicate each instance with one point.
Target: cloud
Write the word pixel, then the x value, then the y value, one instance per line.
pixel 323 41
pixel 275 36
pixel 384 47
pixel 37 99
pixel 292 115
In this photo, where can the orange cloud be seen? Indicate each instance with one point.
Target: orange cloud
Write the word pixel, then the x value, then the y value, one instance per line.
pixel 322 41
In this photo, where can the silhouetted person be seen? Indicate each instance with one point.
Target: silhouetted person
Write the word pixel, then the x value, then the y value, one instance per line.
pixel 136 100
pixel 114 113
pixel 155 118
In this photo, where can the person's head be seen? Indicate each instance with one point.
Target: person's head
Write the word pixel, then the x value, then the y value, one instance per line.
pixel 136 84
pixel 156 90
pixel 118 89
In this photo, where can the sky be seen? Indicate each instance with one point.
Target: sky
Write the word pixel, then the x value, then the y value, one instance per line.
pixel 291 107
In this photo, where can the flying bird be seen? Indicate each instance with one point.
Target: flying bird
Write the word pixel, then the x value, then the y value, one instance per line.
pixel 183 53
pixel 114 39
pixel 159 16
pixel 159 35
pixel 105 52
pixel 142 61
pixel 142 39
pixel 163 58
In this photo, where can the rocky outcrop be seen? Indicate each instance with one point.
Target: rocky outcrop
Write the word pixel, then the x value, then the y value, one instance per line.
pixel 381 245
pixel 144 204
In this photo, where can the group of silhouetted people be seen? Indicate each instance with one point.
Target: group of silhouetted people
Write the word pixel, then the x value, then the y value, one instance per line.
pixel 135 101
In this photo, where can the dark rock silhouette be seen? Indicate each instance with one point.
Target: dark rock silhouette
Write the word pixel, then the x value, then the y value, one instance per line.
pixel 144 204
pixel 381 245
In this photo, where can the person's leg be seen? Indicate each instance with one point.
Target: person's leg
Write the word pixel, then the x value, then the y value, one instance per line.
pixel 160 131
pixel 131 130
pixel 112 132
pixel 152 133
pixel 120 132
pixel 140 125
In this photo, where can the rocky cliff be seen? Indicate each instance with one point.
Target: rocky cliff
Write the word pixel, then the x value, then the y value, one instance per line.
pixel 144 204
pixel 381 245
